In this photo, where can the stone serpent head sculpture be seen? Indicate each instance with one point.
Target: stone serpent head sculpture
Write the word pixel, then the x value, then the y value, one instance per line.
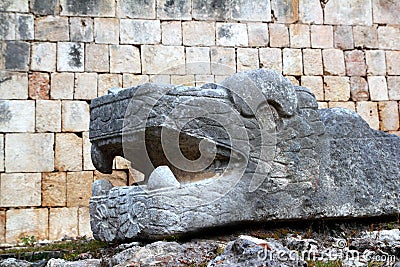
pixel 253 148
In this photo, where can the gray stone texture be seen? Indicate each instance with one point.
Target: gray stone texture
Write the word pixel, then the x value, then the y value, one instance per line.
pixel 298 162
pixel 91 8
pixel 218 10
pixel 140 31
pixel 16 55
pixel 14 5
pixel 48 7
pixel 24 28
pixel 256 10
pixel 137 9
pixel 177 9
pixel 7 26
pixel 81 29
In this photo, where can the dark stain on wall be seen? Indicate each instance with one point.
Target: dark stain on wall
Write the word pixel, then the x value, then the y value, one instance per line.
pixel 75 56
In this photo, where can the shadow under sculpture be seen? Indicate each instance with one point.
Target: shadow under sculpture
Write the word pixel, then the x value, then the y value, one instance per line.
pixel 253 148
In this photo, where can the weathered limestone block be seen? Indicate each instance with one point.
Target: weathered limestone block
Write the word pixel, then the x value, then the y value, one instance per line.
pixel 333 62
pixel 107 81
pixel 140 31
pixel 177 10
pixel 2 152
pixel 84 222
pixel 231 34
pixel 312 61
pixel 187 80
pixel 247 59
pixel 292 62
pixel 321 36
pixel 243 10
pixel 223 61
pixel 137 9
pixel 393 83
pixel 14 6
pixel 389 37
pixel 315 84
pixel 343 37
pixel 24 27
pixel 191 36
pixel 258 34
pixel 48 116
pixel 87 160
pixel 117 178
pixel 49 7
pixel 347 105
pixel 20 189
pixel 352 12
pixel 386 11
pixel 63 222
pixel 310 11
pixel 271 58
pixel 299 35
pixel 359 89
pixel 365 36
pixel 14 85
pixel 378 88
pixel 17 116
pixel 75 116
pixel 336 88
pixel 369 112
pixel 254 148
pixel 97 58
pixel 62 86
pixel 39 85
pixel 218 10
pixel 43 57
pixel 79 188
pixel 285 12
pixel 81 29
pixel 278 35
pixel 70 56
pixel 130 80
pixel 26 222
pixel 94 8
pixel 68 152
pixel 163 59
pixel 355 63
pixel 54 189
pixel 376 63
pixel 124 58
pixel 389 115
pixel 106 30
pixel 2 226
pixel 7 26
pixel 171 33
pixel 52 28
pixel 16 55
pixel 85 86
pixel 29 152
pixel 198 60
pixel 393 62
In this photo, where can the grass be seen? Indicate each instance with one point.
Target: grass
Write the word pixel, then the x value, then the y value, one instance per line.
pixel 68 250
pixel 336 263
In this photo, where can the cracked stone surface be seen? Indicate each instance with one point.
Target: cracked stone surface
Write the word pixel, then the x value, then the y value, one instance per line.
pixel 254 148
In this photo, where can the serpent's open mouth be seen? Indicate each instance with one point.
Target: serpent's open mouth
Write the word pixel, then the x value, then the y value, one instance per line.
pixel 199 158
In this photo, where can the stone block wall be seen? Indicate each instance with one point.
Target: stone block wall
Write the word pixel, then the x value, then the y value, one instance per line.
pixel 56 55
